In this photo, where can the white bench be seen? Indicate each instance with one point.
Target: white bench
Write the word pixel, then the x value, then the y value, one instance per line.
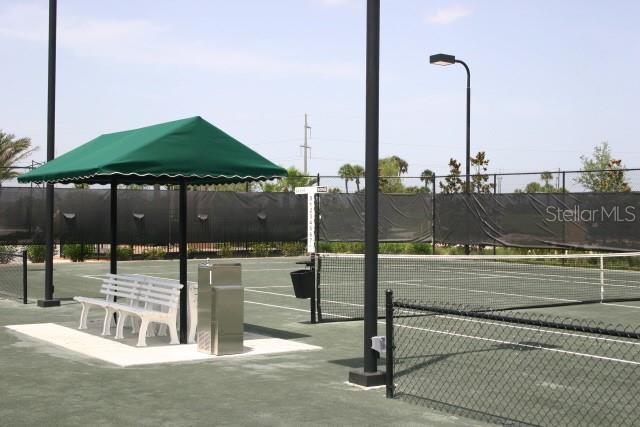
pixel 149 299
pixel 192 306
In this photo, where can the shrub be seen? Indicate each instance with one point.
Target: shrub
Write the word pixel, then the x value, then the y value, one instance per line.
pixel 154 253
pixel 260 249
pixel 225 251
pixel 77 252
pixel 294 248
pixel 192 251
pixel 5 253
pixel 124 253
pixel 421 248
pixel 35 253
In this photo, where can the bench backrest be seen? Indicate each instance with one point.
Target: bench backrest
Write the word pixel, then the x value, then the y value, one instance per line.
pixel 146 291
pixel 154 291
pixel 121 287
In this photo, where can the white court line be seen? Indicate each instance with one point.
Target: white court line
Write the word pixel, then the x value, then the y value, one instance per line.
pixel 546 331
pixel 635 307
pixel 89 276
pixel 555 350
pixel 270 293
pixel 569 334
pixel 277 306
pixel 268 287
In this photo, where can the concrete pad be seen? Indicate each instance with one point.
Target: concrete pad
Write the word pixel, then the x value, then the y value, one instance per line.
pixel 121 354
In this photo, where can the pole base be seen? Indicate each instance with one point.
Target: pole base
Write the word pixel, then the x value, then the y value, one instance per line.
pixel 45 303
pixel 367 379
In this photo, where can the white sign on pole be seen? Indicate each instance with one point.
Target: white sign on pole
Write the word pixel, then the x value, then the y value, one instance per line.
pixel 311 213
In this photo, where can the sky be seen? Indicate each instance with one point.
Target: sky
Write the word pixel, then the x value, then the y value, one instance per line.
pixel 550 80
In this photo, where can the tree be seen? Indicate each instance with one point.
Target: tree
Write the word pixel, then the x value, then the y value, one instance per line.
pixel 453 183
pixel 480 178
pixel 389 170
pixel 358 172
pixel 426 176
pixel 12 151
pixel 546 177
pixel 602 172
pixel 287 184
pixel 346 172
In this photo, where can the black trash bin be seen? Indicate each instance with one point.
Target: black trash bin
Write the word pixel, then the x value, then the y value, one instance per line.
pixel 303 282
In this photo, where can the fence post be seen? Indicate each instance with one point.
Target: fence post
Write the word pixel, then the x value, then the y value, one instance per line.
pixel 495 191
pixel 389 343
pixel 24 277
pixel 564 176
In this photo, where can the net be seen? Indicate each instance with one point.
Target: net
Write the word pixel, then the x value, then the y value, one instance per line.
pixel 496 282
pixel 513 368
pixel 13 277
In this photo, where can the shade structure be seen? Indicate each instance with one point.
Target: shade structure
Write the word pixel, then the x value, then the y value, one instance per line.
pixel 188 151
pixel 191 149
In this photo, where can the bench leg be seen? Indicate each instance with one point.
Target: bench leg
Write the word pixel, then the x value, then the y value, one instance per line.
pixel 134 324
pixel 142 335
pixel 173 331
pixel 83 316
pixel 162 330
pixel 106 327
pixel 120 326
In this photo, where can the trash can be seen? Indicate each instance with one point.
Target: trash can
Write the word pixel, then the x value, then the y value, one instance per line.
pixel 303 283
pixel 220 309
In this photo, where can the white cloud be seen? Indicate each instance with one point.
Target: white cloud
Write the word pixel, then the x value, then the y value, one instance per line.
pixel 139 41
pixel 449 15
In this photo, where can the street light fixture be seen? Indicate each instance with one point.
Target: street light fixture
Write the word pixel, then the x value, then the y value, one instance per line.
pixel 444 60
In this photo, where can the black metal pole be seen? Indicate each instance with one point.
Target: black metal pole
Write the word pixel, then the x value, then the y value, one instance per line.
pixel 371 190
pixel 467 184
pixel 24 277
pixel 370 376
pixel 389 342
pixel 114 227
pixel 183 262
pixel 433 215
pixel 48 300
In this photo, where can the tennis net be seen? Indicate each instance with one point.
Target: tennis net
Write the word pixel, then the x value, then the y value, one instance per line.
pixel 13 275
pixel 497 282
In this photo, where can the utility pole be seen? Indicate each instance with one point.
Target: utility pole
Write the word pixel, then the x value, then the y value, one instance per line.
pixel 307 131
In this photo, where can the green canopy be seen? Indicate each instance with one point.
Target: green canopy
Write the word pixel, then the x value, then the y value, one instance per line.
pixel 191 149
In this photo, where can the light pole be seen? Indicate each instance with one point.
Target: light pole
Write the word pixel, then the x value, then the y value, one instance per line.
pixel 444 59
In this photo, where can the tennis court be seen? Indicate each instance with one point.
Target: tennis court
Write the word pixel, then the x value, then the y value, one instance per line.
pixel 43 383
pixel 452 361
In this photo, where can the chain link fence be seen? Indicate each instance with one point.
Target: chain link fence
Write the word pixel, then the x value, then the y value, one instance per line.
pixel 512 368
pixel 605 180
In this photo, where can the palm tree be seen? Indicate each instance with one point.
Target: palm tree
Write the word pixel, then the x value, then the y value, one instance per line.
pixel 426 176
pixel 12 151
pixel 401 165
pixel 358 172
pixel 346 173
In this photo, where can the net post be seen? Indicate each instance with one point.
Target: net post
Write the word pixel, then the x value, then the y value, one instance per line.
pixel 389 343
pixel 312 301
pixel 318 298
pixel 601 279
pixel 24 277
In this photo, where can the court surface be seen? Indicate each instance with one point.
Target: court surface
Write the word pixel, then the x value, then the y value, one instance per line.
pixel 47 385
